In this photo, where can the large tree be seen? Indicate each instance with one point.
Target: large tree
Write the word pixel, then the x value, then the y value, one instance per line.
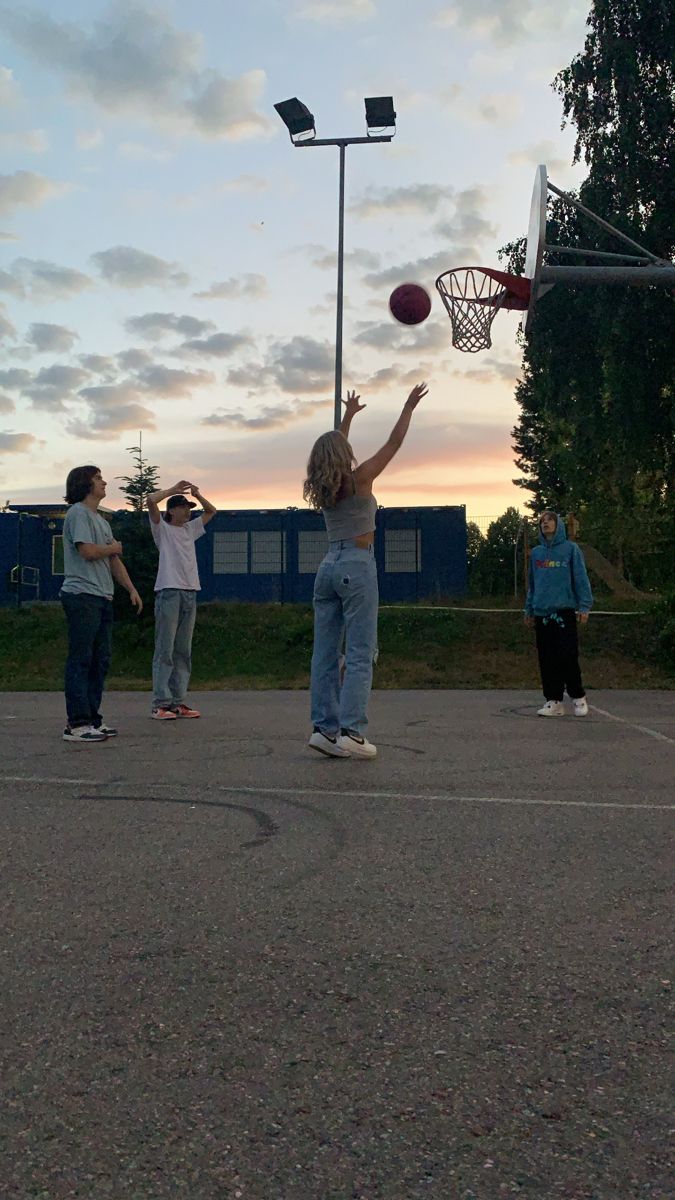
pixel 597 427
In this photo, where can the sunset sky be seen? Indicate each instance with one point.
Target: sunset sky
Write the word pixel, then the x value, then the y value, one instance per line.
pixel 168 258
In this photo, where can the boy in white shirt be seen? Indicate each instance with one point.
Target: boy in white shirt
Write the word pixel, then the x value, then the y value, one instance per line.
pixel 176 590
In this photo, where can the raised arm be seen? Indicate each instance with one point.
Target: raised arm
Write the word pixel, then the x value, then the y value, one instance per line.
pixel 155 498
pixel 372 467
pixel 210 509
pixel 352 407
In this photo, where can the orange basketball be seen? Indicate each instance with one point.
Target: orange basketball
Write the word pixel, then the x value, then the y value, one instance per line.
pixel 410 303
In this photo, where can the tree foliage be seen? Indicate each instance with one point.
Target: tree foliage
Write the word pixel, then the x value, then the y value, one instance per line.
pixel 596 433
pixel 144 480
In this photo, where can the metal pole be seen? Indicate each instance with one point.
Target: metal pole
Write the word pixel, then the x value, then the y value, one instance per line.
pixel 599 221
pixel 633 276
pixel 19 556
pixel 337 415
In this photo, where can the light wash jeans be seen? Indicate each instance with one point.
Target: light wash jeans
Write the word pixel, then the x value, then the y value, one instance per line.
pixel 175 612
pixel 345 601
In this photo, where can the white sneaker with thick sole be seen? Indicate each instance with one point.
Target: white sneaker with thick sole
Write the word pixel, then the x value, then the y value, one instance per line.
pixel 581 707
pixel 357 746
pixel 552 708
pixel 327 745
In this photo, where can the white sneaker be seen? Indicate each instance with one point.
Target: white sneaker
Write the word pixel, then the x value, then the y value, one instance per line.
pixel 552 708
pixel 581 707
pixel 327 745
pixel 357 746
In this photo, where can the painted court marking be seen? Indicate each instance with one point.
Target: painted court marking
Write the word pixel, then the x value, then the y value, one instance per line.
pixel 661 737
pixel 318 793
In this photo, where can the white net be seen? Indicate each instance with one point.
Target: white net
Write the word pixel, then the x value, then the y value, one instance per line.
pixel 472 299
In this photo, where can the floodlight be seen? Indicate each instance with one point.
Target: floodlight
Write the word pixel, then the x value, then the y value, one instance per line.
pixel 296 117
pixel 380 112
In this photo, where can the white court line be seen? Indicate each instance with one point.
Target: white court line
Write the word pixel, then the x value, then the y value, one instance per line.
pixel 661 737
pixel 316 793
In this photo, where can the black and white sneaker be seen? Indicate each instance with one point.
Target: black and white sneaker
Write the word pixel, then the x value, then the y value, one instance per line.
pixel 83 734
pixel 326 744
pixel 356 745
pixel 106 729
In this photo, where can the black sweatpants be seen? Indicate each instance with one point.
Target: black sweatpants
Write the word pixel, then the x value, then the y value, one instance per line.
pixel 558 650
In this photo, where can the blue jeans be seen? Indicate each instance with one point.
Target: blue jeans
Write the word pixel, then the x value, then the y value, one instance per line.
pixel 175 612
pixel 345 602
pixel 90 622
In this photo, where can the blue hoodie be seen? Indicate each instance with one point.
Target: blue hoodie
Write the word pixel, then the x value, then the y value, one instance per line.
pixel 557 576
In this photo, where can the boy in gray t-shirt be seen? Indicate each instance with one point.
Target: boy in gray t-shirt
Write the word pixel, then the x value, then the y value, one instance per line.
pixel 92 564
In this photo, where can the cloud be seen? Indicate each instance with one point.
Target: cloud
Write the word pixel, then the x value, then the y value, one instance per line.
pixel 133 359
pixel 421 270
pixel 89 139
pixel 124 266
pixel 5 236
pixel 503 21
pixel 7 330
pixel 137 152
pixel 9 92
pixel 334 12
pixel 53 338
pixel 6 404
pixel 16 378
pixel 16 443
pixel 326 260
pixel 468 227
pixel 545 151
pixel 133 62
pixel 112 409
pixel 493 370
pixel 402 339
pixel 227 107
pixel 218 345
pixel 42 280
pixel 300 365
pixel 54 387
pixel 25 189
pixel 98 364
pixel 498 108
pixel 155 325
pixel 33 141
pixel 243 287
pixel 167 383
pixel 276 416
pixel 408 200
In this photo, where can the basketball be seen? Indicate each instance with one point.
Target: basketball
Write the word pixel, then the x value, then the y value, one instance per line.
pixel 410 303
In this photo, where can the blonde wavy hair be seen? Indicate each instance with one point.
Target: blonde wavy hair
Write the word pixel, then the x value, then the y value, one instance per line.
pixel 330 462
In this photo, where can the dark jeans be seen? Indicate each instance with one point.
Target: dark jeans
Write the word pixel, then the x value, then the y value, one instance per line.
pixel 90 621
pixel 558 650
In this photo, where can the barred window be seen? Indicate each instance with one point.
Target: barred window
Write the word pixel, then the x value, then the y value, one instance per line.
pixel 57 554
pixel 403 550
pixel 312 545
pixel 230 553
pixel 268 552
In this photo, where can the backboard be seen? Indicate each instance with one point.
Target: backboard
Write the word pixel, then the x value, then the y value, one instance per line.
pixel 536 243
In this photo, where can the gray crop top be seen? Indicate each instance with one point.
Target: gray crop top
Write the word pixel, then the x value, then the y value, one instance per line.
pixel 350 518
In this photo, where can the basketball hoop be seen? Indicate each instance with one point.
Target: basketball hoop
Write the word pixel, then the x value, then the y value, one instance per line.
pixel 473 296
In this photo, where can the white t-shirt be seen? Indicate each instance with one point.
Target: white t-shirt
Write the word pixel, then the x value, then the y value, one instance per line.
pixel 177 555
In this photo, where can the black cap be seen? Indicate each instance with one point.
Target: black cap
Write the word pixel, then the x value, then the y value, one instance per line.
pixel 178 502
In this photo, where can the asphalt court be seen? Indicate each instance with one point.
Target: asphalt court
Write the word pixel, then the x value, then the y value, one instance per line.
pixel 234 967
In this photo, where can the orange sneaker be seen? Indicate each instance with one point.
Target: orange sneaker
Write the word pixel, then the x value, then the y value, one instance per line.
pixel 184 710
pixel 163 714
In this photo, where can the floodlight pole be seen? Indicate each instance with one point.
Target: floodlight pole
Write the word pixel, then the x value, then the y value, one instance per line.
pixel 341 143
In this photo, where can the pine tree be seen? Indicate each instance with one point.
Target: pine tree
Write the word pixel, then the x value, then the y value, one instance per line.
pixel 144 480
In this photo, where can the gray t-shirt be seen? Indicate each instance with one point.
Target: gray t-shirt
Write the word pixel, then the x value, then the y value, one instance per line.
pixel 82 524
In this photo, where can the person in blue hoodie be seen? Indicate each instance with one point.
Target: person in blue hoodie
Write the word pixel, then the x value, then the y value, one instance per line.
pixel 558 595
